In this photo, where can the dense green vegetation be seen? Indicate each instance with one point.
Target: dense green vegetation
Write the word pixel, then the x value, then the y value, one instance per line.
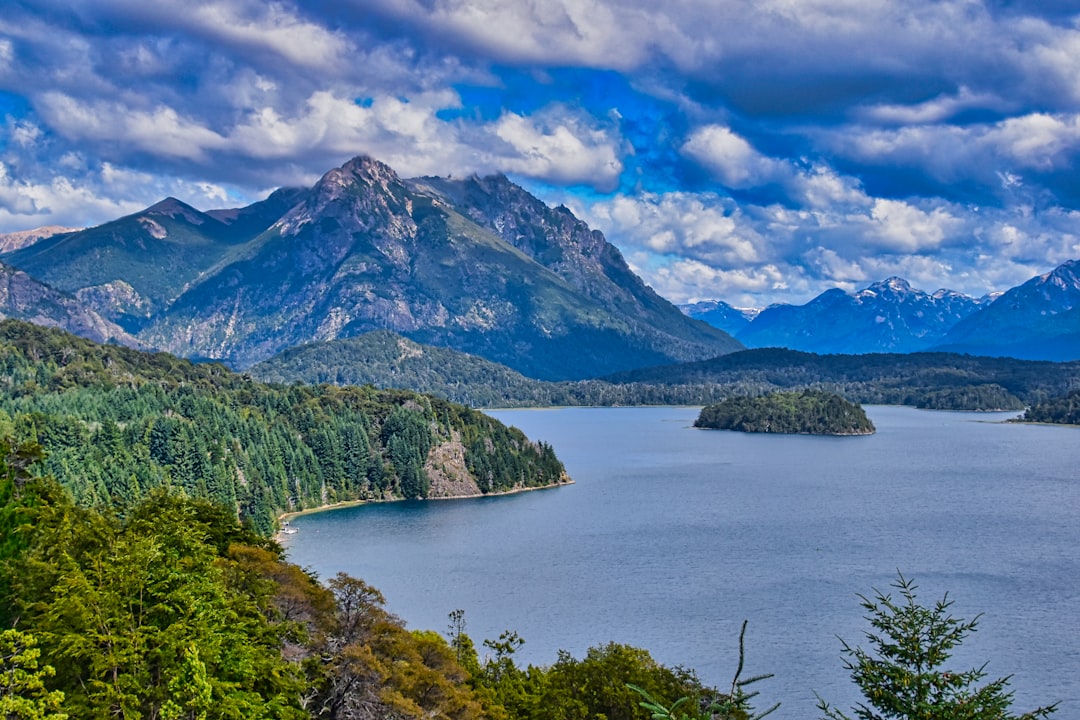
pixel 117 423
pixel 939 381
pixel 169 608
pixel 1063 410
pixel 809 412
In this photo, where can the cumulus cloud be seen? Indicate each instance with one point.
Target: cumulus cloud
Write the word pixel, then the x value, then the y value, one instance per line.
pixel 563 151
pixel 694 246
pixel 103 194
pixel 768 148
pixel 731 158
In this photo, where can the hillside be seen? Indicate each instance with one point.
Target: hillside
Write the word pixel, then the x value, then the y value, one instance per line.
pixel 25 298
pixel 1039 320
pixel 117 423
pixel 928 380
pixel 942 381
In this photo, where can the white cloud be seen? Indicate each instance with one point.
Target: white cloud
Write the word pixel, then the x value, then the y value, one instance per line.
pixel 562 151
pixel 900 227
pixel 938 109
pixel 271 26
pixel 161 131
pixel 731 158
pixel 702 227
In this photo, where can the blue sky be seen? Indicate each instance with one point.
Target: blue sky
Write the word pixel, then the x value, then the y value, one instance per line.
pixel 755 151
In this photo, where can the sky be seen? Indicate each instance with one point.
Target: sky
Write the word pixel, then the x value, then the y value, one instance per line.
pixel 754 151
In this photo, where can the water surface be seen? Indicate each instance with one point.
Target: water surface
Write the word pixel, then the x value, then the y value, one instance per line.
pixel 671 536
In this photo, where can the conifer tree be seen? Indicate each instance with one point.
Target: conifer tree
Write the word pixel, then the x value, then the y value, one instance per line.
pixel 904 678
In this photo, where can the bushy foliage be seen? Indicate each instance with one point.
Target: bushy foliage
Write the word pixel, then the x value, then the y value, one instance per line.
pixel 174 610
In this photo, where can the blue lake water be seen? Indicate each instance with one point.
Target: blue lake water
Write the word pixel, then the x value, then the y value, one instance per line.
pixel 672 536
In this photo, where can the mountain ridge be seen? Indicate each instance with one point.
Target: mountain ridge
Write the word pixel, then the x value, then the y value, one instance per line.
pixel 366 250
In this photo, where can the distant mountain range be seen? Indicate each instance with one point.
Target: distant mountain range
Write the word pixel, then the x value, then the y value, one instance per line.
pixel 476 264
pixel 1039 320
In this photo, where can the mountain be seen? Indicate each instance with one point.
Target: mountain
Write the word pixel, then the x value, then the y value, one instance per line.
pixel 888 316
pixel 720 315
pixel 477 265
pixel 24 298
pixel 1039 320
pixel 129 270
pixel 12 241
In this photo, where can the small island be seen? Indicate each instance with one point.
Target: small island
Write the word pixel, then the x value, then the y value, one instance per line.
pixel 806 412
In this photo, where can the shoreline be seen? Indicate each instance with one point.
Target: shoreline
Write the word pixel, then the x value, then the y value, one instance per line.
pixel 284 518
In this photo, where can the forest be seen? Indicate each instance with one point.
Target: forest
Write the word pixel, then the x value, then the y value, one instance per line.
pixel 938 381
pixel 1064 410
pixel 168 607
pixel 116 423
pixel 807 412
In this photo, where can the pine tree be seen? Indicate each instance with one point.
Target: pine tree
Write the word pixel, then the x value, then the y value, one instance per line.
pixel 905 679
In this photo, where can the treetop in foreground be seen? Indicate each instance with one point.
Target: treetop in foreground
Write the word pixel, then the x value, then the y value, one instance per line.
pixel 809 412
pixel 903 677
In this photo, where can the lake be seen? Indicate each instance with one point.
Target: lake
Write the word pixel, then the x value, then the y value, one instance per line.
pixel 672 536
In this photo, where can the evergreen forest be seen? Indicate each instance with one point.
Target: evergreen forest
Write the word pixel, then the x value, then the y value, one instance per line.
pixel 116 423
pixel 1064 410
pixel 937 381
pixel 808 412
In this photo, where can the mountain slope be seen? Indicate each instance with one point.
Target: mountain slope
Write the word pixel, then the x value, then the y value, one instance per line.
pixel 888 316
pixel 131 268
pixel 721 315
pixel 567 246
pixel 366 251
pixel 24 298
pixel 1039 320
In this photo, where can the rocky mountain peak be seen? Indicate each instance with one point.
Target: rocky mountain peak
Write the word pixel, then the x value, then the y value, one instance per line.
pixel 1065 276
pixel 892 287
pixel 363 194
pixel 171 207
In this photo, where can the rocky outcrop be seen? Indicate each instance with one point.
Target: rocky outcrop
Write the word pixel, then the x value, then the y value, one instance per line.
pixel 24 298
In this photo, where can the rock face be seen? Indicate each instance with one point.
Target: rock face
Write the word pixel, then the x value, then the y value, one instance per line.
pixel 364 250
pixel 9 242
pixel 1039 320
pixel 24 298
pixel 889 316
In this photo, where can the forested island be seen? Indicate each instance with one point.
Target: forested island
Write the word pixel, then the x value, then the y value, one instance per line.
pixel 116 423
pixel 809 412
